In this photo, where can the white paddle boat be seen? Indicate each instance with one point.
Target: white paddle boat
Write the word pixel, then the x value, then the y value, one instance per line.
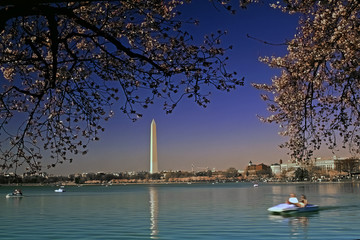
pixel 17 193
pixel 14 195
pixel 291 208
pixel 61 189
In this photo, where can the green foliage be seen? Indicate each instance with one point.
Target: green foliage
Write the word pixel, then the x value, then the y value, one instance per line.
pixel 348 165
pixel 301 174
pixel 232 173
pixel 207 173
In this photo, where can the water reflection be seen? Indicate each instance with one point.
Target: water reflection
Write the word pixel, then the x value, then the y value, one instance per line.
pixel 298 225
pixel 13 201
pixel 154 212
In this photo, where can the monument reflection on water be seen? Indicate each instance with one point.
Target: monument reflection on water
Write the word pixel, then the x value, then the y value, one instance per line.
pixel 196 211
pixel 154 212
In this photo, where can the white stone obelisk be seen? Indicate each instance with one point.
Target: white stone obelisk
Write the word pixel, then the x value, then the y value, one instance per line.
pixel 153 149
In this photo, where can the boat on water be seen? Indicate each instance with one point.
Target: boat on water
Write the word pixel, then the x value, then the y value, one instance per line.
pixel 14 195
pixel 17 193
pixel 61 189
pixel 291 208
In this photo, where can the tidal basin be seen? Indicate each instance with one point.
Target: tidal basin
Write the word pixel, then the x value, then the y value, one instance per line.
pixel 179 211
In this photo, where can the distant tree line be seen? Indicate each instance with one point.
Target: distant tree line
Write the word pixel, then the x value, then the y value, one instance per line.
pixel 17 179
pixel 107 177
pixel 78 179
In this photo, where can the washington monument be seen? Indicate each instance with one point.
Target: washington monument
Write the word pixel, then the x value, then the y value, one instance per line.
pixel 153 149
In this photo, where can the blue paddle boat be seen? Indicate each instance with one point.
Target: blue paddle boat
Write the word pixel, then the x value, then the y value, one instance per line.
pixel 291 208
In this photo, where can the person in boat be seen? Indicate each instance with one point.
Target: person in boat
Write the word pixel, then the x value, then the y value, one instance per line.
pixel 292 199
pixel 303 201
pixel 17 192
pixel 299 203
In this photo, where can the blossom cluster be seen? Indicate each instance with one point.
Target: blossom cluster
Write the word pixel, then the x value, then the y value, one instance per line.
pixel 316 99
pixel 66 63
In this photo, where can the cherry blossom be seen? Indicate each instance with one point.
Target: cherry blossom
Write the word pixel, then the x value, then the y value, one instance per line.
pixel 315 100
pixel 65 64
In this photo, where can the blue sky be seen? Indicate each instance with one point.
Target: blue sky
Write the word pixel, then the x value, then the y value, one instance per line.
pixel 225 134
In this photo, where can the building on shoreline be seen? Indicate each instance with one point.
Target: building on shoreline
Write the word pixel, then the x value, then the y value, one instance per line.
pixel 334 164
pixel 254 170
pixel 276 168
pixel 323 164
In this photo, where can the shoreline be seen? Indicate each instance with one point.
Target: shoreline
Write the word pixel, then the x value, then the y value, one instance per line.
pixel 162 183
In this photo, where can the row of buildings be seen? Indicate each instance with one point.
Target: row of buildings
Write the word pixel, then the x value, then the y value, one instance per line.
pixel 349 165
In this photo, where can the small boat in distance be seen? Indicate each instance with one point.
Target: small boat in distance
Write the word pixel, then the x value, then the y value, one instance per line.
pixel 61 189
pixel 285 208
pixel 15 194
pixel 256 184
pixel 11 195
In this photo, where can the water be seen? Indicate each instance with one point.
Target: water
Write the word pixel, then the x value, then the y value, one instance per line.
pixel 179 211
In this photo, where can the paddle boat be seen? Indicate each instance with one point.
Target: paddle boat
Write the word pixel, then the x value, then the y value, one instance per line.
pixel 16 194
pixel 12 195
pixel 61 189
pixel 291 208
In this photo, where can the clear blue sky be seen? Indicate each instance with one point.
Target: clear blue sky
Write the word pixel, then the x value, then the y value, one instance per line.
pixel 227 133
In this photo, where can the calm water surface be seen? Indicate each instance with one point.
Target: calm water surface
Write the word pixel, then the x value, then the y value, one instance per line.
pixel 179 211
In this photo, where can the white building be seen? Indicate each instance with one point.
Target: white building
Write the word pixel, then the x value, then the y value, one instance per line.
pixel 289 166
pixel 275 168
pixel 324 164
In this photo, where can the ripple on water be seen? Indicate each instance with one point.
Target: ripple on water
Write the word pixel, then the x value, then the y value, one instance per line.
pixel 229 211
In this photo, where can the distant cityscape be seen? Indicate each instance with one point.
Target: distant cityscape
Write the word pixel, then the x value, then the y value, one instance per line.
pixel 318 170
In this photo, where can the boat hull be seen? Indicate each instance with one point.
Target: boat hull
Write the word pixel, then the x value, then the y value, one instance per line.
pixel 11 195
pixel 59 190
pixel 290 208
